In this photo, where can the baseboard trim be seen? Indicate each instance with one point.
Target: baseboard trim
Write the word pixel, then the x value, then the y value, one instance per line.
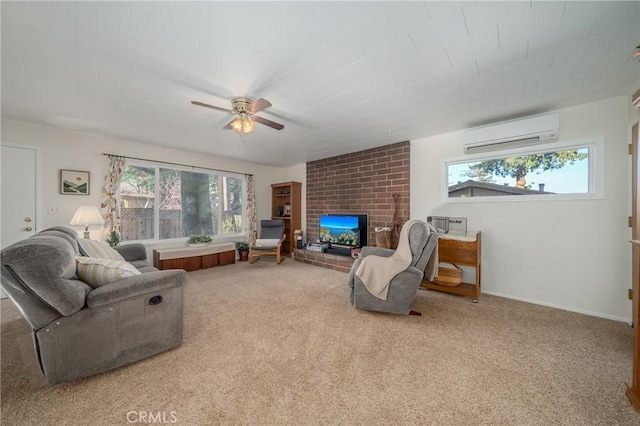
pixel 553 305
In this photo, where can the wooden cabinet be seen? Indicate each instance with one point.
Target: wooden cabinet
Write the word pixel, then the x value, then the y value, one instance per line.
pixel 192 259
pixel 286 205
pixel 462 252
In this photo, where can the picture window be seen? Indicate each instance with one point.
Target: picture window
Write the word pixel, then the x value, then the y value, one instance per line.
pixel 160 203
pixel 551 171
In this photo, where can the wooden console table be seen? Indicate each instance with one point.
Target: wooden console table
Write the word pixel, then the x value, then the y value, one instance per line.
pixel 194 258
pixel 463 251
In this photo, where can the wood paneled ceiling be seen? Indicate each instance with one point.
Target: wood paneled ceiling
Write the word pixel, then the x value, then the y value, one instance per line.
pixel 342 76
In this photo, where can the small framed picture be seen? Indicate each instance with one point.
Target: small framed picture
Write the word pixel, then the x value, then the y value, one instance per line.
pixel 287 209
pixel 74 182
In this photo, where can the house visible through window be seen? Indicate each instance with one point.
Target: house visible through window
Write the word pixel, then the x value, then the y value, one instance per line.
pixel 160 203
pixel 564 171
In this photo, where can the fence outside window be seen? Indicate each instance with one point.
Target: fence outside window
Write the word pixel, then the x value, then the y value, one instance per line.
pixel 160 203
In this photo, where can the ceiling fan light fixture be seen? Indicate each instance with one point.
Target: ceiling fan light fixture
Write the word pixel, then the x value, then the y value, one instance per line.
pixel 243 124
pixel 245 109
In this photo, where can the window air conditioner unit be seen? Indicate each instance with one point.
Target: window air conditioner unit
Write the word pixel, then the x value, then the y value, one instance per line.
pixel 512 134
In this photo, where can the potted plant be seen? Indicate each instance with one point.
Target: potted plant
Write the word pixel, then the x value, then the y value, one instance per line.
pixel 243 250
pixel 200 240
pixel 114 239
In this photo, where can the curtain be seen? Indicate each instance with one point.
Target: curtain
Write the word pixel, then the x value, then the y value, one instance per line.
pixel 110 206
pixel 251 209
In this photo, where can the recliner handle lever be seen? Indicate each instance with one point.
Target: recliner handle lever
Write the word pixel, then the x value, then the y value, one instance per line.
pixel 155 300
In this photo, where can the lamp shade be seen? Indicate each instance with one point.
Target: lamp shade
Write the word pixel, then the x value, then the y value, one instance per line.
pixel 243 124
pixel 87 215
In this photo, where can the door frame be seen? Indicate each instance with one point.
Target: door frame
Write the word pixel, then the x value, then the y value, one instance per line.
pixel 633 388
pixel 38 150
pixel 635 220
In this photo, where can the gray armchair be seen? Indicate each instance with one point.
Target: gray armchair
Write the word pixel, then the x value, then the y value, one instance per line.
pixel 78 330
pixel 270 242
pixel 404 286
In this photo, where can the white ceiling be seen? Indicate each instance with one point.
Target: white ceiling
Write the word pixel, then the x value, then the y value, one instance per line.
pixel 342 76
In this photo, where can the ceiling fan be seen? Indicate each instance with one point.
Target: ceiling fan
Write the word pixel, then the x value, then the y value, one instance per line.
pixel 245 109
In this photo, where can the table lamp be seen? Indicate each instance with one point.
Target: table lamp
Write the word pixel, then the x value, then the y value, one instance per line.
pixel 87 215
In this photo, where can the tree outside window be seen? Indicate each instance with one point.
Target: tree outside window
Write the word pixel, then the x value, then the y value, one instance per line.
pixel 564 171
pixel 190 203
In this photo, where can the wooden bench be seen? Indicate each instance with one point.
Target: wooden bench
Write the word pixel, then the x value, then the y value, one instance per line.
pixel 194 258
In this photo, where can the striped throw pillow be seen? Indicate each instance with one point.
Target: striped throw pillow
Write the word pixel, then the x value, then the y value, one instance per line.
pixel 99 249
pixel 98 272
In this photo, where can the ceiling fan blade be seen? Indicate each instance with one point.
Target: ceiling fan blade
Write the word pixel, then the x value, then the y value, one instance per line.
pixel 210 106
pixel 259 105
pixel 228 126
pixel 269 123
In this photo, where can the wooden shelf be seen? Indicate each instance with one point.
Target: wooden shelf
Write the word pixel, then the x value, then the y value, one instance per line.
pixel 464 289
pixel 292 221
pixel 459 252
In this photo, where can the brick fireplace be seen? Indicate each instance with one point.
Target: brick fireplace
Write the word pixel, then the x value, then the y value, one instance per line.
pixel 360 182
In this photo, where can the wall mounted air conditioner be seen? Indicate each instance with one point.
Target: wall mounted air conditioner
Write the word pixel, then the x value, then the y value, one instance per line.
pixel 511 134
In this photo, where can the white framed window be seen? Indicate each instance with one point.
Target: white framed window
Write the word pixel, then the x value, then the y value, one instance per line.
pixel 161 202
pixel 558 171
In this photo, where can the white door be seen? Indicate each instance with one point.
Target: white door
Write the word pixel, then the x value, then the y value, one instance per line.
pixel 19 198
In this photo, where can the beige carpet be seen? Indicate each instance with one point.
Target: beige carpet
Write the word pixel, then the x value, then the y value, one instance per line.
pixel 268 344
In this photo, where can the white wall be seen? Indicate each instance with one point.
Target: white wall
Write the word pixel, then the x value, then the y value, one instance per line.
pixel 63 149
pixel 573 255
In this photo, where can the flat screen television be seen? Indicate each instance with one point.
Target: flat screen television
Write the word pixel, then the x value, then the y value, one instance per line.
pixel 362 225
pixel 340 230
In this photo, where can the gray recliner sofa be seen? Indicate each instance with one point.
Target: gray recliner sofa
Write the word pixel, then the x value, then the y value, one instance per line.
pixel 404 286
pixel 77 330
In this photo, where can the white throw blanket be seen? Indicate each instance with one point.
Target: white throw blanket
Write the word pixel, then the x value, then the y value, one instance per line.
pixel 376 271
